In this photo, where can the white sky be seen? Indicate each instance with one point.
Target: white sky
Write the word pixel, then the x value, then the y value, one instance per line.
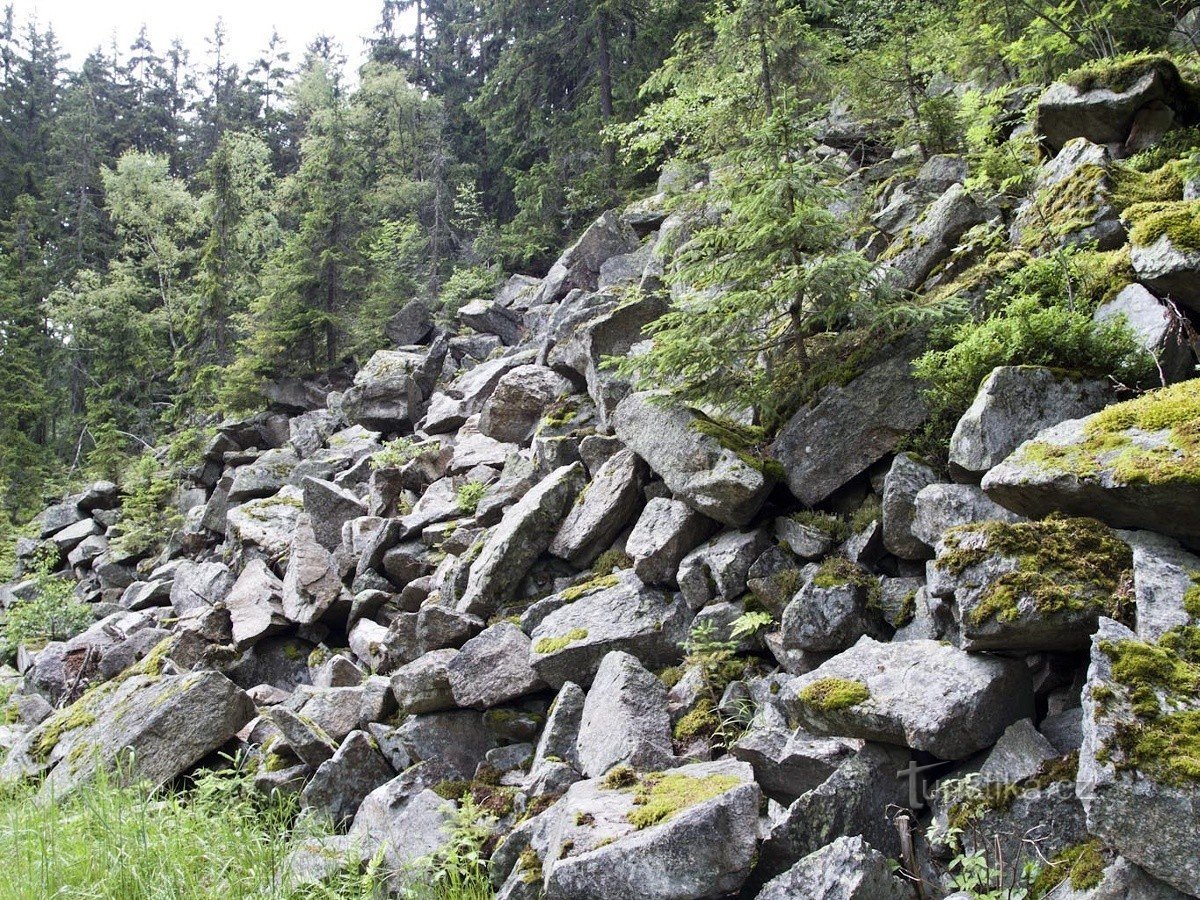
pixel 81 25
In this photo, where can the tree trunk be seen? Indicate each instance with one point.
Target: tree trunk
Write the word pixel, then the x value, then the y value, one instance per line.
pixel 606 87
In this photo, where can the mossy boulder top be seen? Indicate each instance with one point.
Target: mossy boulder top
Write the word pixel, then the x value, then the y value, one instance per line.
pixel 1132 465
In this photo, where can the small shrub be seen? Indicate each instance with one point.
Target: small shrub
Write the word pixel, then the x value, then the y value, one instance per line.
pixel 466 285
pixel 469 495
pixel 53 614
pixel 147 514
pixel 395 454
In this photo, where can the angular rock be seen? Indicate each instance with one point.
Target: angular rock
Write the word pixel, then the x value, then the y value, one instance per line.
pixel 1169 270
pixel 390 390
pixel 789 763
pixel 941 507
pixel 717 570
pixel 1154 328
pixel 933 239
pixel 404 822
pixel 329 507
pixel 410 326
pixel 267 524
pixel 848 869
pixel 609 503
pixel 456 741
pixel 838 604
pixel 1163 575
pixel 264 477
pixel 1013 405
pixel 964 704
pixel 342 783
pixel 312 587
pixel 625 719
pixel 806 541
pixel 255 605
pixel 493 668
pixel 560 737
pixel 907 477
pixel 520 400
pixel 199 586
pixel 665 533
pixel 712 479
pixel 491 317
pixel 423 686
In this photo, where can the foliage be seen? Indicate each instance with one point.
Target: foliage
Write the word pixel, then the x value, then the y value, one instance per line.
pixel 396 454
pixel 457 871
pixel 52 614
pixel 467 284
pixel 147 514
pixel 468 496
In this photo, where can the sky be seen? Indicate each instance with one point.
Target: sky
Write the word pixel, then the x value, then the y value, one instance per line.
pixel 83 24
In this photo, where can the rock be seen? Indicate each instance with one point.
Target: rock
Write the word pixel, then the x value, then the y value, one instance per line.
pixel 965 703
pixel 281 662
pixel 1138 799
pixel 1154 328
pixel 255 605
pixel 390 390
pixel 625 719
pixel 933 239
pixel 74 535
pixel 410 326
pixel 703 846
pixel 456 742
pixel 264 477
pixel 848 869
pixel 200 585
pixel 57 517
pixel 838 604
pixel 940 507
pixel 521 537
pixel 665 533
pixel 806 541
pixel 518 291
pixel 493 668
pixel 1013 405
pixel 404 821
pixel 580 266
pixel 1121 880
pixel 1108 467
pixel 520 400
pixel 1071 203
pixel 1163 575
pixel 616 613
pixel 1031 586
pixel 1168 269
pixel 717 570
pixel 158 727
pixel 1064 730
pixel 849 429
pixel 907 477
pixel 337 671
pixel 312 588
pixel 423 686
pixel 267 524
pixel 710 478
pixel 1101 115
pixel 490 317
pixel 329 508
pixel 609 503
pixel 342 783
pixel 560 737
pixel 789 763
pixel 439 627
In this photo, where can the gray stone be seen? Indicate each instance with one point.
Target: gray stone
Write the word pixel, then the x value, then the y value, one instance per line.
pixel 619 614
pixel 830 443
pixel 1168 270
pixel 941 507
pixel 520 400
pixel 390 390
pixel 410 326
pixel 440 627
pixel 789 763
pixel 964 704
pixel 200 585
pixel 342 783
pixel 1076 190
pixel 457 741
pixel 332 712
pixel 312 588
pixel 266 525
pixel 1163 573
pixel 1154 328
pixel 402 821
pixel 933 239
pixel 717 570
pixel 521 537
pixel 329 508
pixel 837 605
pixel 559 739
pixel 607 506
pixel 1064 730
pixel 1148 819
pixel 807 542
pixel 423 686
pixel 1013 405
pixel 848 869
pixel 74 535
pixel 907 477
pixel 665 533
pixel 255 605
pixel 625 719
pixel 264 477
pixel 493 668
pixel 491 317
pixel 579 267
pixel 711 479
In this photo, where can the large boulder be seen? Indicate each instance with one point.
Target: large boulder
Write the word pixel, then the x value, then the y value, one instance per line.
pixel 1154 327
pixel 255 605
pixel 266 525
pixel 264 477
pixel 520 400
pixel 1164 259
pixel 579 267
pixel 940 507
pixel 933 239
pixel 403 821
pixel 343 782
pixel 834 440
pixel 907 477
pixel 615 612
pixel 522 536
pixel 665 533
pixel 493 668
pixel 1138 771
pixel 625 719
pixel 423 685
pixel 1071 202
pixel 329 507
pixel 965 702
pixel 717 570
pixel 390 391
pixel 1030 586
pixel 838 604
pixel 1013 405
pixel 606 507
pixel 848 869
pixel 312 587
pixel 1132 465
pixel 410 326
pixel 715 480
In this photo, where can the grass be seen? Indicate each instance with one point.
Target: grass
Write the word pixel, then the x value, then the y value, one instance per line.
pixel 212 841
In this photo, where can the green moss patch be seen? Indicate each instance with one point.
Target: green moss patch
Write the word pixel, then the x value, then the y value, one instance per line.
pixel 1191 597
pixel 1082 866
pixel 1179 220
pixel 701 722
pixel 598 583
pixel 661 796
pixel 1121 73
pixel 831 694
pixel 1063 565
pixel 749 442
pixel 549 645
pixel 837 571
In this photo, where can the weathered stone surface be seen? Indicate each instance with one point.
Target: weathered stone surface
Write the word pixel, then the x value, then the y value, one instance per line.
pixel 1071 203
pixel 703 850
pixel 941 507
pixel 342 783
pixel 625 719
pixel 964 702
pixel 1013 405
pixel 848 869
pixel 264 477
pixel 158 727
pixel 456 741
pixel 423 686
pixel 907 477
pixel 405 820
pixel 390 390
pixel 609 503
pixel 1148 815
pixel 838 604
pixel 789 763
pixel 717 570
pixel 266 524
pixel 521 537
pixel 934 238
pixel 410 326
pixel 312 588
pixel 665 533
pixel 1163 573
pixel 1168 270
pixel 493 668
pixel 560 737
pixel 329 507
pixel 491 317
pixel 1127 477
pixel 849 429
pixel 711 479
pixel 806 541
pixel 520 399
pixel 200 585
pixel 255 605
pixel 579 267
pixel 618 614
pixel 1154 328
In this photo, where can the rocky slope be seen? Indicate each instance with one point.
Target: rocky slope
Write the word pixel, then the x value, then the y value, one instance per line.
pixel 488 568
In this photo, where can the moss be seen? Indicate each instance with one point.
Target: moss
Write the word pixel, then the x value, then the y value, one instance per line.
pixel 1082 866
pixel 599 583
pixel 1191 597
pixel 610 561
pixel 834 527
pixel 659 797
pixel 1120 73
pixel 749 442
pixel 1000 797
pixel 583 819
pixel 831 694
pixel 619 777
pixel 1160 682
pixel 1179 220
pixel 701 722
pixel 907 611
pixel 549 645
pixel 1063 565
pixel 530 866
pixel 837 571
pixel 78 715
pixel 671 676
pixel 1067 207
pixel 867 514
pixel 1171 414
pixel 561 414
pixel 1162 185
pixel 275 762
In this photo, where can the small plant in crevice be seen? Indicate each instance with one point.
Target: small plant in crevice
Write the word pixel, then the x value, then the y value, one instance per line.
pixel 52 614
pixel 468 496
